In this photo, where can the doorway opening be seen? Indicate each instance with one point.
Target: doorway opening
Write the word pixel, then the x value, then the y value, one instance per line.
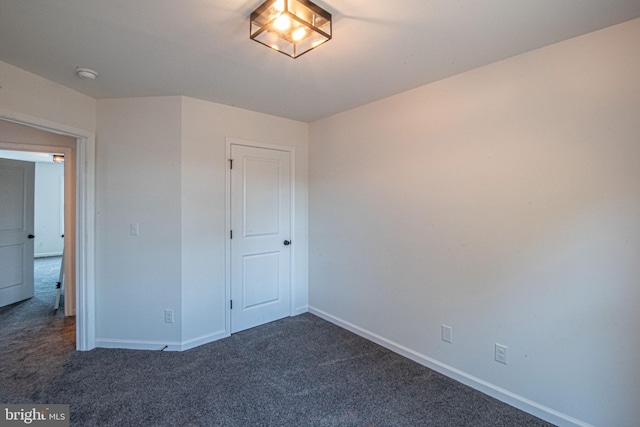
pixel 34 228
pixel 79 233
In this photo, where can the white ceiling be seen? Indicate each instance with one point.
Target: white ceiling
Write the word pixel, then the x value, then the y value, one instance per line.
pixel 201 48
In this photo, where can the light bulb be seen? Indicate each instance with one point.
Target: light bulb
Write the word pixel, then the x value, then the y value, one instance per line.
pixel 282 22
pixel 298 34
pixel 279 5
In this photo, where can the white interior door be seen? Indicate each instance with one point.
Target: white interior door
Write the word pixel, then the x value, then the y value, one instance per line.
pixel 261 233
pixel 17 185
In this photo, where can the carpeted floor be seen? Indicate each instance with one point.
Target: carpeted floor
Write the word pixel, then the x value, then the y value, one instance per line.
pixel 35 340
pixel 300 371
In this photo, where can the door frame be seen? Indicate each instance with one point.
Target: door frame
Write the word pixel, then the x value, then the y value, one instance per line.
pixel 85 218
pixel 69 237
pixel 292 283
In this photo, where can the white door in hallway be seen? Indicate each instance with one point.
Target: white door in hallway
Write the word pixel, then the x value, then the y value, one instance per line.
pixel 17 185
pixel 261 233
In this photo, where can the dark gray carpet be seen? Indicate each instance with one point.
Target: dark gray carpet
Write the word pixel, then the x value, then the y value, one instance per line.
pixel 300 371
pixel 35 340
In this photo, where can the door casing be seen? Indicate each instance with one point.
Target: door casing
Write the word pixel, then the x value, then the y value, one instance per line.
pixel 85 216
pixel 291 150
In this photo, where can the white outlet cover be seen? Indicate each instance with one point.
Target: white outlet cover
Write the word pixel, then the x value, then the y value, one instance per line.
pixel 501 353
pixel 447 333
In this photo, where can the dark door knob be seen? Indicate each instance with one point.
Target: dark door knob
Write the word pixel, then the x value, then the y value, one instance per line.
pixel 287 242
pixel 31 236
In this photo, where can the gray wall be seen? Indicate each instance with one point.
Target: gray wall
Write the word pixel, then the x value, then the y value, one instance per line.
pixel 161 163
pixel 504 202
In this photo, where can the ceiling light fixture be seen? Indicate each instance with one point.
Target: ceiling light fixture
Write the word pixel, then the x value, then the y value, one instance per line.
pixel 292 27
pixel 58 158
pixel 86 73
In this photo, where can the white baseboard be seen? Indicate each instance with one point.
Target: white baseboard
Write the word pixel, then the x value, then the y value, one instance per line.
pixel 515 400
pixel 155 345
pixel 300 310
pixel 205 339
pixel 137 345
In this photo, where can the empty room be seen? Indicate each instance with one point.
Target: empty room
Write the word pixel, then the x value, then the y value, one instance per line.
pixel 329 213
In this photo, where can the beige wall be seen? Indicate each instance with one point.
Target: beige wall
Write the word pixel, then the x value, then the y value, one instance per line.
pixel 205 128
pixel 138 167
pixel 162 163
pixel 31 95
pixel 504 202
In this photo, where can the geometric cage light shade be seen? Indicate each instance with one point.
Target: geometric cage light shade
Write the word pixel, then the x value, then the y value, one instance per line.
pixel 292 27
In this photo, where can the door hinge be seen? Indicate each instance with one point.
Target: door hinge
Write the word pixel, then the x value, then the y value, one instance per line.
pixel 231 234
pixel 231 304
pixel 230 163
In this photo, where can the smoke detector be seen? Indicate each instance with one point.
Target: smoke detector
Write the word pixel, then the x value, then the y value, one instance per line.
pixel 86 73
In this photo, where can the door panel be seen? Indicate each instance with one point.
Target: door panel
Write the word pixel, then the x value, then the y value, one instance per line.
pixel 17 184
pixel 13 180
pixel 11 266
pixel 260 281
pixel 261 197
pixel 261 222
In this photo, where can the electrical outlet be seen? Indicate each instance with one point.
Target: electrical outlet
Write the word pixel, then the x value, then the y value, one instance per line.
pixel 501 353
pixel 447 333
pixel 168 316
pixel 134 229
